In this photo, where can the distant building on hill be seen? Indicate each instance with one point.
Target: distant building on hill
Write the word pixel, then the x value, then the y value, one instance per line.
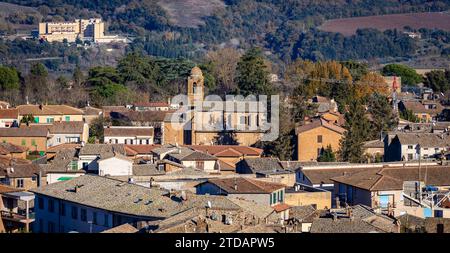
pixel 84 29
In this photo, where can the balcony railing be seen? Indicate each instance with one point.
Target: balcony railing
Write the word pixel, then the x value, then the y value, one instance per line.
pixel 12 216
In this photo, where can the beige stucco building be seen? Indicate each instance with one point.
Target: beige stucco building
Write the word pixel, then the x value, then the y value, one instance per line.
pixel 84 29
pixel 315 136
pixel 210 124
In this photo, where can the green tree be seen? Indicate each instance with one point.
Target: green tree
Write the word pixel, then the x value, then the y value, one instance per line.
pixel 252 76
pixel 9 78
pixel 327 155
pixel 284 146
pixel 36 83
pixel 438 80
pixel 409 116
pixel 96 130
pixel 105 86
pixel 357 132
pixel 383 116
pixel 408 75
pixel 27 119
pixel 139 69
pixel 226 138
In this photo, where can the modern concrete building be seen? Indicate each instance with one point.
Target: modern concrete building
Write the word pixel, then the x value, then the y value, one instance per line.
pixel 84 29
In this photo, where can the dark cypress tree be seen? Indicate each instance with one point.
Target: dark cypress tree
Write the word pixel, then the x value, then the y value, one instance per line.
pixel 383 116
pixel 358 130
pixel 252 76
pixel 327 155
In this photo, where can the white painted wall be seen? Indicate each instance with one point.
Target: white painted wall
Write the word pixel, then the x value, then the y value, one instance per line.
pixel 115 167
pixel 128 140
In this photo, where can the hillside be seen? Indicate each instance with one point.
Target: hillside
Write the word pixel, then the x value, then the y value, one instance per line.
pixel 348 26
pixel 287 30
pixel 190 13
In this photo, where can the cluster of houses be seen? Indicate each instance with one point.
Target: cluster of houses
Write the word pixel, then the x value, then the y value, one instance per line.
pixel 151 174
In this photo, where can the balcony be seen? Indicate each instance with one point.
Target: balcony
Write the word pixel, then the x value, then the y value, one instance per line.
pixel 16 217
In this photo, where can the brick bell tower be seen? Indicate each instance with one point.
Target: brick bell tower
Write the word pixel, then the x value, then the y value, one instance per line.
pixel 195 86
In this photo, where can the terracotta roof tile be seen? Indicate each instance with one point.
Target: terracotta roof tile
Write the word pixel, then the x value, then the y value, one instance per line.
pixel 319 123
pixel 9 113
pixel 245 185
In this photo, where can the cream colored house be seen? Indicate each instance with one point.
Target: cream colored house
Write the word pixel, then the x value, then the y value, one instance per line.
pixel 44 114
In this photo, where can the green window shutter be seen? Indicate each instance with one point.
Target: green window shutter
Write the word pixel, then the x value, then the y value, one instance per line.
pixel 36 119
pixel 67 118
pixel 24 142
pixel 33 142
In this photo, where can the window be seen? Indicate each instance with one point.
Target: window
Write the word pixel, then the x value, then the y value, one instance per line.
pixel 41 203
pixel 410 157
pixel 438 213
pixel 33 178
pixel 410 147
pixel 58 139
pixel 74 212
pixel 33 142
pixel 200 165
pixel 106 220
pixel 94 218
pixel 249 120
pixel 425 148
pixel 83 215
pixel 319 138
pixel 161 167
pixel 62 209
pixel 51 205
pixel 19 183
pixel 243 120
pixel 50 120
pixel 436 149
pixel 274 198
pixel 41 225
pixel 74 165
pixel 24 142
pixel 67 118
pixel 51 227
pixel 281 196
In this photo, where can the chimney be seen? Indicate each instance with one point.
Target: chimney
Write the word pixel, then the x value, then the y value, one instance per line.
pixel 151 182
pixel 235 185
pixel 183 196
pixel 41 107
pixel 334 215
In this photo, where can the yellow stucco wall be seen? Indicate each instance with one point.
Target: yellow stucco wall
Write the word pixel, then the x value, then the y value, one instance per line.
pixel 40 142
pixel 308 145
pixel 321 199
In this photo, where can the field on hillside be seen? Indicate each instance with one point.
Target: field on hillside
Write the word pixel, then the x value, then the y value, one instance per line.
pixel 348 26
pixel 7 9
pixel 189 13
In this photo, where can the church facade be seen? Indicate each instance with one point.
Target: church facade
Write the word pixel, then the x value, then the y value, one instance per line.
pixel 214 122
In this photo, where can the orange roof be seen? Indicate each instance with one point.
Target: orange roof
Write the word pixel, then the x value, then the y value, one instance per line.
pixel 9 113
pixel 280 207
pixel 142 149
pixel 319 123
pixel 224 166
pixel 151 104
pixel 7 189
pixel 227 150
pixel 56 148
